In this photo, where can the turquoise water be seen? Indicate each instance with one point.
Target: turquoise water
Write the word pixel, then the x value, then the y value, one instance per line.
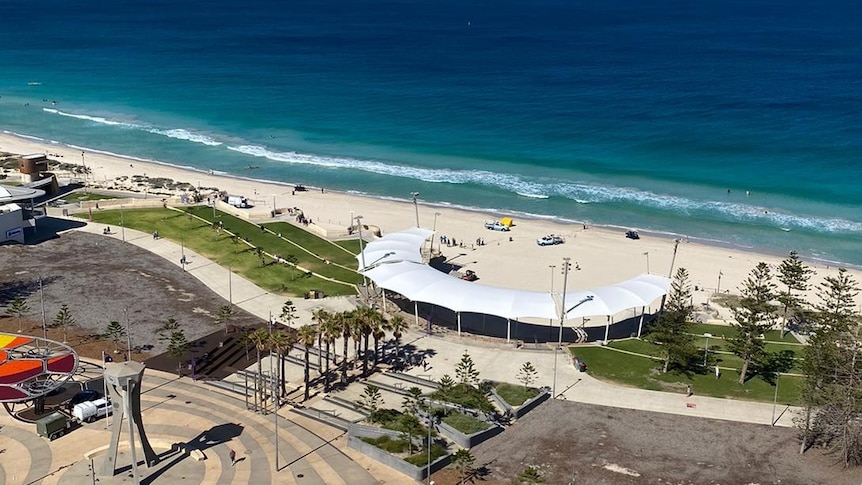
pixel 731 122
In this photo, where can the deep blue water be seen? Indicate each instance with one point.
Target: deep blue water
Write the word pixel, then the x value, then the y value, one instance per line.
pixel 626 113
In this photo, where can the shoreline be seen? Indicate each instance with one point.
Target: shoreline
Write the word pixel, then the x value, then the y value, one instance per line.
pixel 485 211
pixel 507 259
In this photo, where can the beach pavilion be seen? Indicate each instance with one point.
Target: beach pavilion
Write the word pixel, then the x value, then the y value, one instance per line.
pixel 395 263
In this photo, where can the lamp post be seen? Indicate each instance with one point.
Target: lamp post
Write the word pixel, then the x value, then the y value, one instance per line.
pixel 128 332
pixel 566 266
pixel 358 220
pixel 434 228
pixel 647 261
pixel 706 348
pixel 775 398
pixel 42 302
pixel 430 417
pixel 553 267
pixel 84 165
pixel 122 224
pixel 416 206
pixel 718 286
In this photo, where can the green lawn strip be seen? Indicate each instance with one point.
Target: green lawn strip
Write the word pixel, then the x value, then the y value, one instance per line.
pixel 316 245
pixel 199 237
pixel 620 367
pixel 637 346
pixel 349 245
pixel 465 424
pixel 515 395
pixel 421 459
pixel 85 196
pixel 272 244
pixel 727 331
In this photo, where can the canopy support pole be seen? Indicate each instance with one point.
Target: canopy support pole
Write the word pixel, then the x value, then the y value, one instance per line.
pixel 416 311
pixel 459 323
pixel 508 330
pixel 641 324
pixel 383 290
pixel 607 327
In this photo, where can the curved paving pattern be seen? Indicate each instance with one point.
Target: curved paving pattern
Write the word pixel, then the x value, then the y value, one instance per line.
pixel 178 411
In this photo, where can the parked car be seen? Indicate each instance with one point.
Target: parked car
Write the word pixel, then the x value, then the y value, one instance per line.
pixel 84 396
pixel 549 240
pixel 632 235
pixel 87 412
pixel 496 226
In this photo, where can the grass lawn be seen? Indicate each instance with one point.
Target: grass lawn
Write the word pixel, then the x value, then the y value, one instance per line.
pixel 351 245
pixel 515 395
pixel 465 424
pixel 399 446
pixel 85 196
pixel 199 237
pixel 643 372
pixel 719 351
pixel 323 248
pixel 465 395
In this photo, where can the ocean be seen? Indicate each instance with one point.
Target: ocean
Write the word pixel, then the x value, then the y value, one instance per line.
pixel 729 122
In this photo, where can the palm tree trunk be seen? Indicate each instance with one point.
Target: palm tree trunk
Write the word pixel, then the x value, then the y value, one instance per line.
pixel 307 366
pixel 281 376
pixel 376 344
pixel 344 361
pixel 365 356
pixel 319 347
pixel 326 372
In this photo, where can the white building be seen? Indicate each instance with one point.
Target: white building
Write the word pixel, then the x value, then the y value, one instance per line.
pixel 16 212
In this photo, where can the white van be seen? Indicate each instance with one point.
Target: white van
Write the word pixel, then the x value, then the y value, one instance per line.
pixel 87 412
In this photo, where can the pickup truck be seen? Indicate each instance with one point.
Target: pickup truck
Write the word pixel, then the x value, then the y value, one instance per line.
pixel 549 240
pixel 496 226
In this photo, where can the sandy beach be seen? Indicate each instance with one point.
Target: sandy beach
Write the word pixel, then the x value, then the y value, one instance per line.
pixel 600 256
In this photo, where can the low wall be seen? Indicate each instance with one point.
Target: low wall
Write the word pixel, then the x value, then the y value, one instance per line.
pixel 544 395
pixel 417 473
pixel 468 440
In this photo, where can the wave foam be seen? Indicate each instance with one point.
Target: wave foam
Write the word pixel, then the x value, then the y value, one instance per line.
pixel 176 133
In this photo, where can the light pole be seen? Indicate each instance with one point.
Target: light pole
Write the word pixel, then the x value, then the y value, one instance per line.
pixel 128 333
pixel 673 259
pixel 566 266
pixel 718 286
pixel 84 165
pixel 430 417
pixel 553 267
pixel 434 228
pixel 358 220
pixel 122 224
pixel 42 302
pixel 416 206
pixel 706 348
pixel 775 398
pixel 647 261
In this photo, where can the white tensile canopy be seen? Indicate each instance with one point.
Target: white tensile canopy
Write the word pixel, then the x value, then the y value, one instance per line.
pixel 394 263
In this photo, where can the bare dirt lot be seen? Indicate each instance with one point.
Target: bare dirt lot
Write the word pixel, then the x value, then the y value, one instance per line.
pixel 567 442
pixel 573 443
pixel 102 279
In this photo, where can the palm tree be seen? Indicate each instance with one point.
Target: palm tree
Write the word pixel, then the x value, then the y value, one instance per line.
pixel 320 316
pixel 344 319
pixel 357 329
pixel 281 343
pixel 260 340
pixel 330 328
pixel 397 325
pixel 307 336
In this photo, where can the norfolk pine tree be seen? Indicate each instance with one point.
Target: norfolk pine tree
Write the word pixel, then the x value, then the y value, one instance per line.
pixel 672 328
pixel 466 372
pixel 115 332
pixel 528 374
pixel 754 316
pixel 831 390
pixel 794 275
pixel 64 320
pixel 18 308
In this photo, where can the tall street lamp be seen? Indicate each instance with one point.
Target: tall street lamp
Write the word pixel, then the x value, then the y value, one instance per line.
pixel 566 265
pixel 647 261
pixel 706 348
pixel 358 220
pixel 434 228
pixel 416 206
pixel 553 267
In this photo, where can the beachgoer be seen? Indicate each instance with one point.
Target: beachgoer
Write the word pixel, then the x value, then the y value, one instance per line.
pixel 717 372
pixel 232 455
pixel 688 391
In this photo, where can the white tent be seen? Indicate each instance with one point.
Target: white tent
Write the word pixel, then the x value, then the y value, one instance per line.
pixel 395 264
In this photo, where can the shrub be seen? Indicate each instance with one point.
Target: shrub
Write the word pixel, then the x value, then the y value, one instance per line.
pixel 465 395
pixel 465 424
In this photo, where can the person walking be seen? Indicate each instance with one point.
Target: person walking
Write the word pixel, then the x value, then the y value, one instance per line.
pixel 688 391
pixel 232 455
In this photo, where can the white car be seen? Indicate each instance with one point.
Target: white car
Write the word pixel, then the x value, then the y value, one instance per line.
pixel 549 240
